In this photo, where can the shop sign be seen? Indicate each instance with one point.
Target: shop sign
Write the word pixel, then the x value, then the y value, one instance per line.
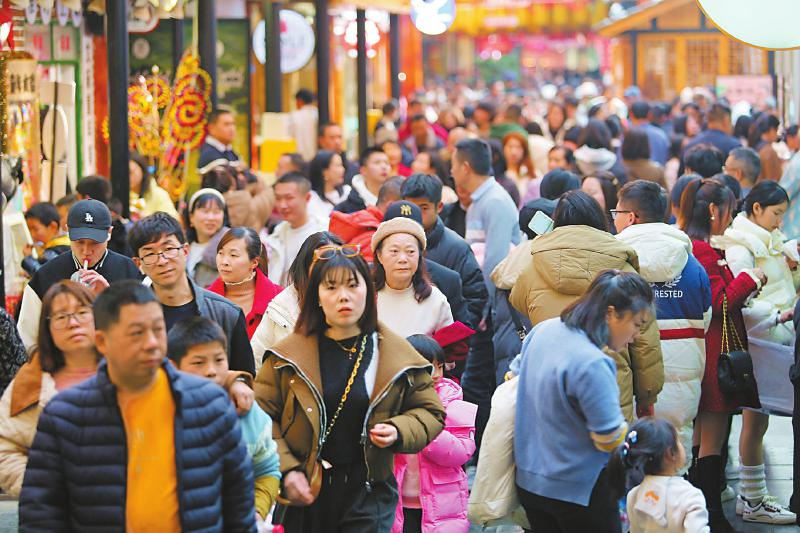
pixel 754 90
pixel 297 41
pixel 764 24
pixel 433 17
pixel 21 80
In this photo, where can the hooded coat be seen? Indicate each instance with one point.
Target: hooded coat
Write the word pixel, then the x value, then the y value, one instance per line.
pixel 563 265
pixel 682 295
pixel 747 245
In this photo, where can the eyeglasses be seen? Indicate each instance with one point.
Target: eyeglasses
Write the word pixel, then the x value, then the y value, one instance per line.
pixel 83 315
pixel 615 212
pixel 329 251
pixel 167 253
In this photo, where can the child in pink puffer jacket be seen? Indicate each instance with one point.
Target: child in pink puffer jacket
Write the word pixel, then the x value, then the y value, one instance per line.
pixel 432 485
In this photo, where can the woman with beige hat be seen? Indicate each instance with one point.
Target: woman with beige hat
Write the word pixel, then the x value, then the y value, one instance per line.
pixel 407 301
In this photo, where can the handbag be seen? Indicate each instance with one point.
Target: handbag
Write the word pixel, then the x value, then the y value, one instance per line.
pixel 734 367
pixel 320 465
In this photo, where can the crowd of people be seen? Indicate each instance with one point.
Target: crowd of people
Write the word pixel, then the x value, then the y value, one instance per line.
pixel 322 352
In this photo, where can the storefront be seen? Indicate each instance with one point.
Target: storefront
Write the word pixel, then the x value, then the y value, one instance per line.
pixel 515 39
pixel 664 46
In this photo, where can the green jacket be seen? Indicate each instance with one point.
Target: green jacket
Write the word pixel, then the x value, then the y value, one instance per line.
pixel 289 388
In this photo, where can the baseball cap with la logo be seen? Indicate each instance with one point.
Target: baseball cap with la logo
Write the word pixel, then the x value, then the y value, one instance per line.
pixel 89 219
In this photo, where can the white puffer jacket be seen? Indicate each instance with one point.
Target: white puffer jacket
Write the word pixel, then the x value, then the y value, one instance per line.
pixel 682 294
pixel 278 322
pixel 748 245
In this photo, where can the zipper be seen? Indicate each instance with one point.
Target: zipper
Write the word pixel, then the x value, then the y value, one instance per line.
pixel 372 406
pixel 323 415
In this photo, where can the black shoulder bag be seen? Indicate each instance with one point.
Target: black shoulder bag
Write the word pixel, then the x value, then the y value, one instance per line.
pixel 734 368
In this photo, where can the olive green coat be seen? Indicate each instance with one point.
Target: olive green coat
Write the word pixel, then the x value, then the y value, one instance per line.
pixel 289 388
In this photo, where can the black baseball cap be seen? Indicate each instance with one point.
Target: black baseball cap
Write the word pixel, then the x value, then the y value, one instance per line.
pixel 89 219
pixel 403 209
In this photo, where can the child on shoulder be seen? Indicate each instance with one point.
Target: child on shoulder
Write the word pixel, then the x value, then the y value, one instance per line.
pixel 645 467
pixel 432 484
pixel 197 346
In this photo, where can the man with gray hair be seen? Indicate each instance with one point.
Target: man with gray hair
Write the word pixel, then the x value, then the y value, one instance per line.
pixel 744 165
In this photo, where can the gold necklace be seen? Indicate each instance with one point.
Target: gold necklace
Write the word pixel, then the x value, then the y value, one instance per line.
pixel 348 351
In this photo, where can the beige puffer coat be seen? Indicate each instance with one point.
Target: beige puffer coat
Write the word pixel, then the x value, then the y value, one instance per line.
pixel 563 265
pixel 20 407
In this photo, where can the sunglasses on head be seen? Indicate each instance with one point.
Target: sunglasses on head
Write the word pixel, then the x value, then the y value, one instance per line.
pixel 329 251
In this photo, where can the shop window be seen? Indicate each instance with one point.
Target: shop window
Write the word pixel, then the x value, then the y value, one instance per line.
pixel 702 61
pixel 659 68
pixel 745 59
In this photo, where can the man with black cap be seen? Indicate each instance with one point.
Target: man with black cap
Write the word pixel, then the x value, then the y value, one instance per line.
pixel 89 262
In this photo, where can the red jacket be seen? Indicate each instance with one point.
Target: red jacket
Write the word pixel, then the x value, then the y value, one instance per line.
pixel 737 290
pixel 357 228
pixel 265 292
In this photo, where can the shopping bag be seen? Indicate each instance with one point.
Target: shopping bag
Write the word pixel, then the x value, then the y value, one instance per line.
pixel 772 364
pixel 493 499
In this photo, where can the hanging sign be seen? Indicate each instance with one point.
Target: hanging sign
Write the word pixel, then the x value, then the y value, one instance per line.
pixel 433 17
pixel 764 24
pixel 21 80
pixel 297 41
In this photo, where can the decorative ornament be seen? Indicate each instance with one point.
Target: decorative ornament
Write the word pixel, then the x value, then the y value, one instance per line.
pixel 184 125
pixel 62 13
pixel 31 11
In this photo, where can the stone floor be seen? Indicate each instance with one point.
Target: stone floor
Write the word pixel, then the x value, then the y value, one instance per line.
pixel 778 450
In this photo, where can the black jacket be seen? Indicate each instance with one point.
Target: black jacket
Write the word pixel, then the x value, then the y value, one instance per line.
pixel 114 267
pixel 77 467
pixel 231 319
pixel 448 249
pixel 352 203
pixel 449 282
pixel 455 218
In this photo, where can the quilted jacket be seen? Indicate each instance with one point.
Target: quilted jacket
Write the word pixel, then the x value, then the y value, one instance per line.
pixel 77 466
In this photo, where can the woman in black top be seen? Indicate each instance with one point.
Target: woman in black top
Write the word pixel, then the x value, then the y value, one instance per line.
pixel 345 394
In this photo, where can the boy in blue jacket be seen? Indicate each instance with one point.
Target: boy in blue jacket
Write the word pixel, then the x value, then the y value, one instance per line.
pixel 197 346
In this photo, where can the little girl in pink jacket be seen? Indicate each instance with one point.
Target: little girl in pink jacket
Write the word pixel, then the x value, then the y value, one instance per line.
pixel 432 485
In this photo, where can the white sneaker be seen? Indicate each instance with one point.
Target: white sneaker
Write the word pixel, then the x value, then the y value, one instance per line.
pixel 728 494
pixel 769 511
pixel 740 505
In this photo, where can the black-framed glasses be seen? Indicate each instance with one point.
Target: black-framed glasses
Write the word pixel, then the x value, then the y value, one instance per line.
pixel 616 212
pixel 166 253
pixel 83 315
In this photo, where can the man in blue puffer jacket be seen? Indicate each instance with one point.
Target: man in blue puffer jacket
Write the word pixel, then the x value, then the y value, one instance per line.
pixel 139 446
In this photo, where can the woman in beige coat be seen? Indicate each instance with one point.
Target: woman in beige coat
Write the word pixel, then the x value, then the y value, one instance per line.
pixel 64 356
pixel 563 265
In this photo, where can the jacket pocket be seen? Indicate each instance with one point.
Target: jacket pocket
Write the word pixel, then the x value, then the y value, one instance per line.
pixel 448 492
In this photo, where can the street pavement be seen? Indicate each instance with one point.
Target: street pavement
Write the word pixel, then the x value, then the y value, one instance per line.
pixel 778 450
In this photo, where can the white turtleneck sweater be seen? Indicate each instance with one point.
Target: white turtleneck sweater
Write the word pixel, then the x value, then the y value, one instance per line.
pixel 404 315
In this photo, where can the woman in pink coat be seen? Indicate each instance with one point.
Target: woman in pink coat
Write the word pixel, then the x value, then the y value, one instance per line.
pixel 432 485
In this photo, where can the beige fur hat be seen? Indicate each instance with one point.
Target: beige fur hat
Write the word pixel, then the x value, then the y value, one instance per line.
pixel 399 225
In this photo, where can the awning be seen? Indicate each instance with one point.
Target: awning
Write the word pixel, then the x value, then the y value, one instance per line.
pixel 637 17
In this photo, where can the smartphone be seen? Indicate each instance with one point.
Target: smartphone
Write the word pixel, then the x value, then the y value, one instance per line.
pixel 541 223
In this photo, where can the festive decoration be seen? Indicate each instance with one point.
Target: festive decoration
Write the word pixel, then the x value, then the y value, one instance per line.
pixel 184 125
